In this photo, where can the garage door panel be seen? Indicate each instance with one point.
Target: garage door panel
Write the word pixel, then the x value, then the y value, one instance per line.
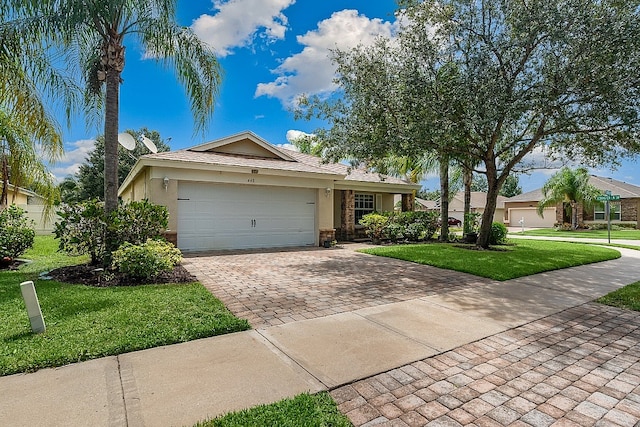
pixel 531 217
pixel 220 216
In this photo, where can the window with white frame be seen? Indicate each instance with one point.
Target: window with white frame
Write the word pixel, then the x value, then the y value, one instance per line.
pixel 364 204
pixel 599 213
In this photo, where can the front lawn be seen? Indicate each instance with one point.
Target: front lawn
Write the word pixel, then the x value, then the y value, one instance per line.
pixel 627 297
pixel 625 234
pixel 85 322
pixel 309 410
pixel 521 258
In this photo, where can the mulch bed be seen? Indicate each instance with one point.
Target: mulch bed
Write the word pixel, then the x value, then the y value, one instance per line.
pixel 90 275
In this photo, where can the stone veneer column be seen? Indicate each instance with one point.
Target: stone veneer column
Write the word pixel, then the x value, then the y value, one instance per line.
pixel 347 215
pixel 327 234
pixel 408 202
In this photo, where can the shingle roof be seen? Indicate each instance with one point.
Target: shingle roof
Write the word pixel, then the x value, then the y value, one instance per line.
pixel 221 159
pixel 529 196
pixel 625 190
pixel 351 174
pixel 303 163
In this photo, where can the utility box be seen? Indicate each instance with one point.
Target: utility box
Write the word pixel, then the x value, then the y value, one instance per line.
pixel 33 306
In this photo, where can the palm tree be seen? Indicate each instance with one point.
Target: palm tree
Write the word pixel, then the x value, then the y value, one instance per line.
pixel 92 34
pixel 29 135
pixel 570 187
pixel 414 169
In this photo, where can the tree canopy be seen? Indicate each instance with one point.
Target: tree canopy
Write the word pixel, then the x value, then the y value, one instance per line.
pixel 91 35
pixel 487 83
pixel 29 135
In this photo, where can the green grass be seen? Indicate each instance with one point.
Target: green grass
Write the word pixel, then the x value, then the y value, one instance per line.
pixel 522 258
pixel 629 234
pixel 627 297
pixel 85 322
pixel 304 410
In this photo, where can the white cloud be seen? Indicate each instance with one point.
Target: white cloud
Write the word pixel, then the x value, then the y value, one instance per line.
pixel 311 71
pixel 75 154
pixel 238 22
pixel 293 135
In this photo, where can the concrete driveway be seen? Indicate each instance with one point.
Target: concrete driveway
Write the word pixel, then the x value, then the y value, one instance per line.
pixel 272 288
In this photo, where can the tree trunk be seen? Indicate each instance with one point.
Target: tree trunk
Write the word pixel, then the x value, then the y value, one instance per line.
pixel 468 180
pixel 4 195
pixel 494 183
pixel 444 199
pixel 487 216
pixel 574 215
pixel 111 141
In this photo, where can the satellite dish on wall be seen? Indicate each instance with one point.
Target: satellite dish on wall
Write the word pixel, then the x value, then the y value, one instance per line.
pixel 126 140
pixel 149 144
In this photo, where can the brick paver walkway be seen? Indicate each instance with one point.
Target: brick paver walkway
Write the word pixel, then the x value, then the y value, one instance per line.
pixel 580 367
pixel 271 288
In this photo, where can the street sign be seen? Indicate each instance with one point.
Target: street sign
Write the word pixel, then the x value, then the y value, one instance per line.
pixel 608 197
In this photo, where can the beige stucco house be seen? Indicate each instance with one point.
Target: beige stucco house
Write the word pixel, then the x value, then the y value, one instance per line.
pixel 21 196
pixel 626 211
pixel 33 205
pixel 456 205
pixel 242 192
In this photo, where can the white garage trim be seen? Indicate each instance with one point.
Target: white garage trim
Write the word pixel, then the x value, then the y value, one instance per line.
pixel 228 216
pixel 531 217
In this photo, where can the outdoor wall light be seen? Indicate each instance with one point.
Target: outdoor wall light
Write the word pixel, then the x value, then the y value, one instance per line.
pixel 327 191
pixel 165 181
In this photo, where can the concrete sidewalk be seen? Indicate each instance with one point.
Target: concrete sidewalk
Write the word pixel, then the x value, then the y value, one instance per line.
pixel 186 383
pixel 511 235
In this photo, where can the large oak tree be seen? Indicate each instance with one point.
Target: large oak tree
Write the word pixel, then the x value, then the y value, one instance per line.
pixel 487 82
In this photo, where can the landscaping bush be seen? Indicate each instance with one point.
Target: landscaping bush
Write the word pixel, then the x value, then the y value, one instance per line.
pixel 498 234
pixel 83 226
pixel 471 222
pixel 82 229
pixel 146 260
pixel 16 232
pixel 394 231
pixel 374 224
pixel 135 222
pixel 412 226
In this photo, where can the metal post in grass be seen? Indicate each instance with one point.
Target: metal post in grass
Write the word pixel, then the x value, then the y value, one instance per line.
pixel 33 306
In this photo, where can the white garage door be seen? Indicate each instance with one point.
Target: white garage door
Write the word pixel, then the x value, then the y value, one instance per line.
pixel 531 217
pixel 227 216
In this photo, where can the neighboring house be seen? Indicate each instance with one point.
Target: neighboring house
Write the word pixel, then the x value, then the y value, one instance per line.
pixel 22 196
pixel 242 192
pixel 627 210
pixel 33 205
pixel 456 205
pixel 522 211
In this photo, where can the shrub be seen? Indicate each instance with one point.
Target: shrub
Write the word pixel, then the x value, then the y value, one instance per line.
pixel 83 226
pixel 394 231
pixel 418 225
pixel 498 234
pixel 16 232
pixel 82 229
pixel 471 222
pixel 135 222
pixel 415 231
pixel 374 224
pixel 147 259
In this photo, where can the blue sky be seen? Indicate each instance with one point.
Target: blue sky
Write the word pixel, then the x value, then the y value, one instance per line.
pixel 270 51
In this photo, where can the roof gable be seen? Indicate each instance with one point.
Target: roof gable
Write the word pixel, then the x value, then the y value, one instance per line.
pixel 244 144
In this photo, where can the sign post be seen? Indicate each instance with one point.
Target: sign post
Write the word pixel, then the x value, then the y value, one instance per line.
pixel 606 198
